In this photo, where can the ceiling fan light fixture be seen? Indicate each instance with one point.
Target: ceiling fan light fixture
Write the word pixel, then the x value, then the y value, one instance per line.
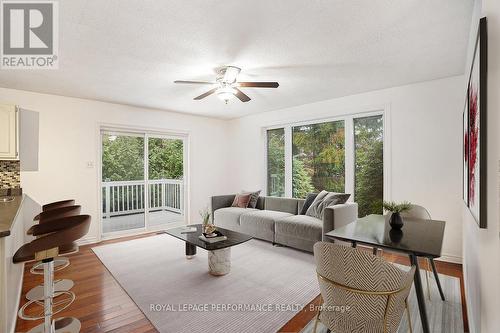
pixel 226 93
pixel 230 74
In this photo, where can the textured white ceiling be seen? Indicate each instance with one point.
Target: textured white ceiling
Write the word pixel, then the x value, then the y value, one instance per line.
pixel 130 52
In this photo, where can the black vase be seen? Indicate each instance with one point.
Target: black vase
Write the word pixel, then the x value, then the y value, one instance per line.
pixel 396 221
pixel 395 235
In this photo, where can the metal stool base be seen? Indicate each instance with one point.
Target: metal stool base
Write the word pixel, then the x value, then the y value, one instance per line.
pixel 36 293
pixel 59 263
pixel 59 304
pixel 62 325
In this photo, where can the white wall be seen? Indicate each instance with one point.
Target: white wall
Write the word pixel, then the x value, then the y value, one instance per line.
pixel 425 143
pixel 69 138
pixel 481 247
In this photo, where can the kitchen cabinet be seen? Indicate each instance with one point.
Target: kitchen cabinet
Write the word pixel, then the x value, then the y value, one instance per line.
pixel 9 132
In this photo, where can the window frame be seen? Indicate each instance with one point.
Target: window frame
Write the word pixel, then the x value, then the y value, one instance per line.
pixel 349 147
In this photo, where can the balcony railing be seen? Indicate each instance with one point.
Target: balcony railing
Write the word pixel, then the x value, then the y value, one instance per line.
pixel 127 197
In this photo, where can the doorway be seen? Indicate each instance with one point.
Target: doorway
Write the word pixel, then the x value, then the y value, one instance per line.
pixel 143 181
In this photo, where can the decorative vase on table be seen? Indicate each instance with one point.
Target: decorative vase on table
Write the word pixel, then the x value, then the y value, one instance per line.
pixel 396 221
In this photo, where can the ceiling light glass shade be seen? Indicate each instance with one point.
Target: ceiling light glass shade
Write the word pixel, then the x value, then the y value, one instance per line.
pixel 226 93
pixel 231 74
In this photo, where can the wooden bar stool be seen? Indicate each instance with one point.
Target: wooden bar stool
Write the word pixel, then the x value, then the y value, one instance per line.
pixel 54 205
pixel 37 293
pixel 56 237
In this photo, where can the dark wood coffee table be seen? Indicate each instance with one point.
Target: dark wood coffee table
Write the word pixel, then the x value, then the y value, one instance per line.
pixel 219 253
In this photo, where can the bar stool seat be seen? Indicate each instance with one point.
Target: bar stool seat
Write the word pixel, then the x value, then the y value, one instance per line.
pixel 55 205
pixel 58 235
pixel 54 213
pixel 60 285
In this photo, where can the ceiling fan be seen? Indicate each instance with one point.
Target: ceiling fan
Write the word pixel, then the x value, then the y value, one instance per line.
pixel 227 86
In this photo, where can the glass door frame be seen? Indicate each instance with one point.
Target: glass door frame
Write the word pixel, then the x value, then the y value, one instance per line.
pixel 146 134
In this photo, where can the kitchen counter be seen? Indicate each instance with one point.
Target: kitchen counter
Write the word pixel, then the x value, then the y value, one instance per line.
pixel 8 213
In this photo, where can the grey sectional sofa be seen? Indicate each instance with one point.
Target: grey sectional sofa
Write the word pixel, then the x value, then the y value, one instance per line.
pixel 276 220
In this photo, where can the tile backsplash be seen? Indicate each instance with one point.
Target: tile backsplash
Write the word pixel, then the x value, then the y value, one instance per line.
pixel 10 174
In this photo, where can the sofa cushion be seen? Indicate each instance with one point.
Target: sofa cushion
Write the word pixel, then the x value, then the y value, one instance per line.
pixel 229 217
pixel 300 226
pixel 260 223
pixel 286 205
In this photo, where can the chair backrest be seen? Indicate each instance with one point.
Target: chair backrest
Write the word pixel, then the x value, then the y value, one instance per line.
pixel 418 212
pixel 361 291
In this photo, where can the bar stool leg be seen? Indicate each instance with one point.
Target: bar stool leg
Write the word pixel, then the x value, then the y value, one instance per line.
pixel 48 287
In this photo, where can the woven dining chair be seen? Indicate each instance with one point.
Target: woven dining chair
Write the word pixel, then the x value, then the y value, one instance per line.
pixel 419 212
pixel 360 292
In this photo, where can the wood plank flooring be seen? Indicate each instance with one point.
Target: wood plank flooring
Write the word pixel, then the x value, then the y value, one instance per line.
pixel 103 306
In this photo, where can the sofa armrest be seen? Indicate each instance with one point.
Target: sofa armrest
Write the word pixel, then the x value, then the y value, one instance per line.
pixel 337 216
pixel 221 201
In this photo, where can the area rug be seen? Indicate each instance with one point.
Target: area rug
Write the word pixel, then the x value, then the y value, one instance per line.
pixel 266 287
pixel 444 317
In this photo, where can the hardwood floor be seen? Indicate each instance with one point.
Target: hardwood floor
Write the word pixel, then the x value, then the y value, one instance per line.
pixel 103 306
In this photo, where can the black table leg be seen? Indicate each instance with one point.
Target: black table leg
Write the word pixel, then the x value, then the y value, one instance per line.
pixel 420 295
pixel 190 250
pixel 437 278
pixel 354 244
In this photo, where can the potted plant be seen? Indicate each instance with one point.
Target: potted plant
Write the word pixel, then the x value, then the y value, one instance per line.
pixel 208 227
pixel 396 209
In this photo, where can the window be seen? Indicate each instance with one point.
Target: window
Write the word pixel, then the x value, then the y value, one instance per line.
pixel 276 162
pixel 369 164
pixel 345 154
pixel 318 158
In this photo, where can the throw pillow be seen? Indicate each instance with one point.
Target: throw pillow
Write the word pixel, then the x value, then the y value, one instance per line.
pixel 330 200
pixel 327 200
pixel 241 200
pixel 311 211
pixel 307 203
pixel 254 196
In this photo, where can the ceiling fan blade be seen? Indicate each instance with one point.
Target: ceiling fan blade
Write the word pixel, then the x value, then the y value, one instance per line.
pixel 208 93
pixel 258 84
pixel 194 82
pixel 241 96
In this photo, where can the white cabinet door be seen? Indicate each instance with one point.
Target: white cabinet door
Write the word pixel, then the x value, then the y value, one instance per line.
pixel 8 132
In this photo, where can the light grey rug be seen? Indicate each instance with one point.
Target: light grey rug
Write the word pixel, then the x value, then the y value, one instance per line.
pixel 443 316
pixel 273 283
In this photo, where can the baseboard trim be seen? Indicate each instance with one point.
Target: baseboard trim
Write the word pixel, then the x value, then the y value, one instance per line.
pixel 450 258
pixel 86 241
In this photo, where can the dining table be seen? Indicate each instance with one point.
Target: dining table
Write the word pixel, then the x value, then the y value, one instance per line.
pixel 417 238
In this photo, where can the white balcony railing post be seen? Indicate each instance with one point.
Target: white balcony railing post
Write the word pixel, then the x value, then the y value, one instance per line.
pixel 108 201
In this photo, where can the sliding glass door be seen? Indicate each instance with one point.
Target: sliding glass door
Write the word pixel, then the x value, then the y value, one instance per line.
pixel 143 181
pixel 122 182
pixel 165 181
